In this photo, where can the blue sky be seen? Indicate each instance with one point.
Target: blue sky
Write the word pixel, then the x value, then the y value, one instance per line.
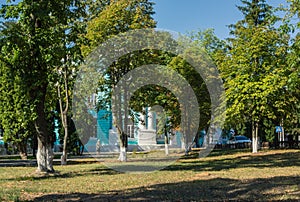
pixel 190 15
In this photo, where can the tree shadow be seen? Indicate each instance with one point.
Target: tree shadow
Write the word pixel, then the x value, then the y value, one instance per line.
pixel 241 161
pixel 206 188
pixel 58 175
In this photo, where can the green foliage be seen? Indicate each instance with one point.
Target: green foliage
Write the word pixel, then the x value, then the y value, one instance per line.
pixel 154 95
pixel 269 130
pixel 256 12
pixel 255 70
pixel 114 18
pixel 43 42
pixel 117 17
pixel 292 89
pixel 73 141
pixel 17 113
pixel 43 36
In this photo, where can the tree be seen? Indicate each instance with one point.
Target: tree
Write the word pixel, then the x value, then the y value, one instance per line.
pixel 16 119
pixel 71 58
pixel 254 70
pixel 43 26
pixel 118 17
pixel 204 49
pixel 73 142
pixel 293 84
pixel 153 96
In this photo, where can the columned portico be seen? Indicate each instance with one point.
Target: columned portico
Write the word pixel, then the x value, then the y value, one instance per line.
pixel 147 132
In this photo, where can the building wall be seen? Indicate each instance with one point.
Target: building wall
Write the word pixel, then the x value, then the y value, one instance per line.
pixel 104 124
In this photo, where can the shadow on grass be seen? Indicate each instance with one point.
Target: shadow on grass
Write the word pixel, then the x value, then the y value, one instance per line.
pixel 58 175
pixel 192 163
pixel 207 189
pixel 242 161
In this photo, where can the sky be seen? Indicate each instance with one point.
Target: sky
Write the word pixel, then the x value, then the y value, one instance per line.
pixel 191 15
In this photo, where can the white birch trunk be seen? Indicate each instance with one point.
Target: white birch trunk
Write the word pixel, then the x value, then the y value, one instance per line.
pixel 183 145
pixel 64 117
pixel 44 158
pixel 123 154
pixel 64 154
pixel 254 137
pixel 167 149
pixel 44 151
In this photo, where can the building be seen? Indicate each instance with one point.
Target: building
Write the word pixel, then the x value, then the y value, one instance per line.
pixel 141 131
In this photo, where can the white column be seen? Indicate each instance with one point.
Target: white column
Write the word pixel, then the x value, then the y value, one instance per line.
pixel 150 119
pixel 142 122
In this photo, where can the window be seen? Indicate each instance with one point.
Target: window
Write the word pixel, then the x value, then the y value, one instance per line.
pixel 130 131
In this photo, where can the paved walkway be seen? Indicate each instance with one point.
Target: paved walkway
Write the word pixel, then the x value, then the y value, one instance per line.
pixel 15 163
pixel 6 162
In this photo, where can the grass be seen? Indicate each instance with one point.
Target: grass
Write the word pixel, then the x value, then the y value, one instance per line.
pixel 226 175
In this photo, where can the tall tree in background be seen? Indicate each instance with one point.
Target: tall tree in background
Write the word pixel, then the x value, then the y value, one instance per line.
pixel 118 17
pixel 254 70
pixel 70 50
pixel 293 84
pixel 15 108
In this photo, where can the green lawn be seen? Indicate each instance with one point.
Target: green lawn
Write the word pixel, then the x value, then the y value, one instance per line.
pixel 227 175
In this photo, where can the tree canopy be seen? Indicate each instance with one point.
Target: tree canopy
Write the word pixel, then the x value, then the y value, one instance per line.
pixel 44 42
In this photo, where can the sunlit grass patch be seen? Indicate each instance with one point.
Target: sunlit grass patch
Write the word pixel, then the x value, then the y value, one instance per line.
pixel 269 175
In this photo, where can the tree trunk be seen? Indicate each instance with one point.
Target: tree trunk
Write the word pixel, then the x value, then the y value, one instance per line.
pixel 185 142
pixel 65 126
pixel 34 145
pixel 117 117
pixel 123 154
pixel 123 145
pixel 254 137
pixel 125 128
pixel 64 154
pixel 64 116
pixel 22 147
pixel 44 156
pixel 186 146
pixel 166 148
pixel 44 150
pixel 166 141
pixel 282 144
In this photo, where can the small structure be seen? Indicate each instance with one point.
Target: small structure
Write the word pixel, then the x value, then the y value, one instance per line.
pixel 147 132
